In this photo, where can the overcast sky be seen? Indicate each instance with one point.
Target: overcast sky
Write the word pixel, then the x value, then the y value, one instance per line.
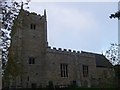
pixel 79 25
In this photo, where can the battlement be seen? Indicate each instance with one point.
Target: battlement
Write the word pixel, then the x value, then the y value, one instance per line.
pixel 68 51
pixel 60 50
pixel 36 14
pixel 33 13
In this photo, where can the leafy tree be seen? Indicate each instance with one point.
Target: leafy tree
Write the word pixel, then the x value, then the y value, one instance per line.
pixel 115 15
pixel 10 11
pixel 113 54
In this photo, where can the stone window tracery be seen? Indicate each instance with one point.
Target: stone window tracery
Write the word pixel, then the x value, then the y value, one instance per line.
pixel 64 70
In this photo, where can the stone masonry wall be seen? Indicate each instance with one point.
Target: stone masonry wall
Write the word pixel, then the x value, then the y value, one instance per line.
pixel 75 60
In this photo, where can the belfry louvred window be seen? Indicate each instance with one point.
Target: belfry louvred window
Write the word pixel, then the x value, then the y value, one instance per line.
pixel 33 26
pixel 31 60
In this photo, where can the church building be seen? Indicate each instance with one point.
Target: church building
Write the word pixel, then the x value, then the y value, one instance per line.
pixel 34 64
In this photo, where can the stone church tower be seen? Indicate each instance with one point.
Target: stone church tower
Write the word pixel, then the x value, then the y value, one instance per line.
pixel 28 47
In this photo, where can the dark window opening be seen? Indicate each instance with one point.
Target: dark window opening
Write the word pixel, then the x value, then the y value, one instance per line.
pixel 33 85
pixel 85 71
pixel 33 26
pixel 31 60
pixel 64 70
pixel 28 78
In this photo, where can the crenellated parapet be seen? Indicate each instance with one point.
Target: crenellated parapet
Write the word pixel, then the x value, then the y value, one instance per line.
pixel 68 51
pixel 33 14
pixel 62 51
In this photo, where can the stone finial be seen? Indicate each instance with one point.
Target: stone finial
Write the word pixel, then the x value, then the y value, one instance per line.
pixel 22 6
pixel 45 13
